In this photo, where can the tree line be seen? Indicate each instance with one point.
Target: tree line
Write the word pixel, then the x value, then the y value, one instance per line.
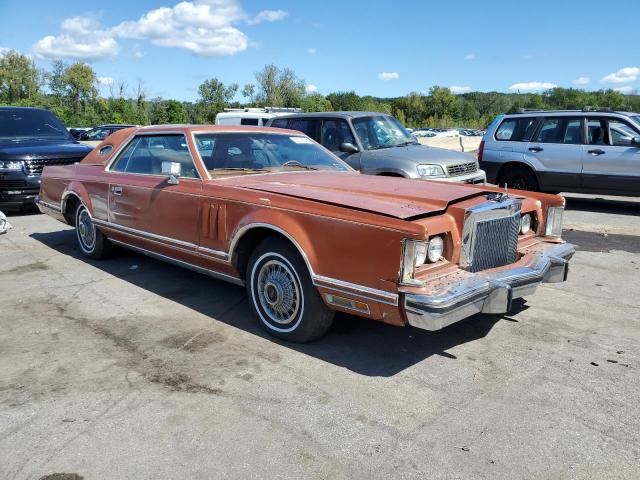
pixel 71 92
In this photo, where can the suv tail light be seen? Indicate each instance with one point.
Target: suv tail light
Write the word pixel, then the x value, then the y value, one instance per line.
pixel 480 151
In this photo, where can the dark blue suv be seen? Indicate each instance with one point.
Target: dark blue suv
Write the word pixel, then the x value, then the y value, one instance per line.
pixel 30 139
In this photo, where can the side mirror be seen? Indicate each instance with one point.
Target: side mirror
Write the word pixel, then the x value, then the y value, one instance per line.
pixel 172 170
pixel 347 147
pixel 635 141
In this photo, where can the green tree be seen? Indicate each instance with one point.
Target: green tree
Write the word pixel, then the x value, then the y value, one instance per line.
pixel 315 102
pixel 79 81
pixel 345 101
pixel 214 97
pixel 278 87
pixel 20 80
pixel 167 111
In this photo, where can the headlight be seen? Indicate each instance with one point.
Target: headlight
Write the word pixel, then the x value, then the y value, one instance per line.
pixel 414 254
pixel 10 165
pixel 436 247
pixel 525 223
pixel 553 227
pixel 430 170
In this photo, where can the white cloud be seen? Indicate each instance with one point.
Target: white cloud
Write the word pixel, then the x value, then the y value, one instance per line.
pixel 626 90
pixel 458 89
pixel 470 56
pixel 268 16
pixel 312 89
pixel 386 76
pixel 312 51
pixel 82 38
pixel 581 81
pixel 532 86
pixel 627 74
pixel 105 80
pixel 204 27
pixel 4 50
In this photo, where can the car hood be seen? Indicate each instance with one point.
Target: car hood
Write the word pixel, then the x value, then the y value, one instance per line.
pixel 421 154
pixel 24 149
pixel 395 197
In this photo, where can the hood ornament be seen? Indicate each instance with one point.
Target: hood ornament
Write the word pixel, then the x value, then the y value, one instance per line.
pixel 498 197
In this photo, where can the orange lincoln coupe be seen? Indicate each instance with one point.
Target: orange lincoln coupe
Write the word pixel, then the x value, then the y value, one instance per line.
pixel 274 211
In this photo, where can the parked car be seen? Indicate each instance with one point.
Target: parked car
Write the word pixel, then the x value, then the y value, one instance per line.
pixel 378 144
pixel 588 151
pixel 101 132
pixel 31 138
pixel 274 211
pixel 77 131
pixel 251 116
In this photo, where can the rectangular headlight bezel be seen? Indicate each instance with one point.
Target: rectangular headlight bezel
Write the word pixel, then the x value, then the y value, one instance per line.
pixel 553 222
pixel 408 262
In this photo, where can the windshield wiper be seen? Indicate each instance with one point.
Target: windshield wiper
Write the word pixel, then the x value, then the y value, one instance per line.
pixel 297 164
pixel 378 147
pixel 410 142
pixel 239 169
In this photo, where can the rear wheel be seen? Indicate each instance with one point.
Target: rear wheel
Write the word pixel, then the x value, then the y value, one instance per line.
pixel 519 178
pixel 91 241
pixel 282 296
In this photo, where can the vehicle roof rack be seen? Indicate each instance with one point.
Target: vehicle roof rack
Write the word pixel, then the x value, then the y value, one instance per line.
pixel 584 109
pixel 264 109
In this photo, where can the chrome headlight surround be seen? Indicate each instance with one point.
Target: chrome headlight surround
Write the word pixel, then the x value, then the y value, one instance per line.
pixel 553 222
pixel 430 170
pixel 526 222
pixel 414 254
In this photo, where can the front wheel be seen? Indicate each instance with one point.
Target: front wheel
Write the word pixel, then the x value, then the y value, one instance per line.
pixel 91 241
pixel 282 296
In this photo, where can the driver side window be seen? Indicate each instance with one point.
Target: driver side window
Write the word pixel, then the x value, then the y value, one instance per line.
pixel 145 155
pixel 334 133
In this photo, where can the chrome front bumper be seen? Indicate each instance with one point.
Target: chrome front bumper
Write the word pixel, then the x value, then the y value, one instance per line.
pixel 490 292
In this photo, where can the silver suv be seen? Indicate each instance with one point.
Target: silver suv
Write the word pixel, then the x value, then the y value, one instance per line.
pixel 378 144
pixel 584 151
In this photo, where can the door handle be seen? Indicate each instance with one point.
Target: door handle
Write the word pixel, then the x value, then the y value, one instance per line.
pixel 597 151
pixel 116 190
pixel 536 149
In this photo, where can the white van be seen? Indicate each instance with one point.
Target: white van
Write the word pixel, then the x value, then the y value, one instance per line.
pixel 251 116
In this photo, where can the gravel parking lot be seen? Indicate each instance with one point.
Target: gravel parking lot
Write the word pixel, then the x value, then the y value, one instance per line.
pixel 132 368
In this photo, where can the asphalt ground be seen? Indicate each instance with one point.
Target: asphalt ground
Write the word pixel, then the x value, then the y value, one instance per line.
pixel 133 368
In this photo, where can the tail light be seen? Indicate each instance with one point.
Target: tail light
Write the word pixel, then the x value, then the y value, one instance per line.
pixel 480 151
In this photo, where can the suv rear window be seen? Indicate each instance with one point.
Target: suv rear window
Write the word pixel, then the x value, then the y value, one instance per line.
pixel 515 129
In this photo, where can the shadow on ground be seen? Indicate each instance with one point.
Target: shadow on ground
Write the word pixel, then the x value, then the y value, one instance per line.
pixel 621 206
pixel 360 345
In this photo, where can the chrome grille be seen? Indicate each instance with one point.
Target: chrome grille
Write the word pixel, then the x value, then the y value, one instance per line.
pixel 35 165
pixel 462 169
pixel 12 184
pixel 490 235
pixel 496 243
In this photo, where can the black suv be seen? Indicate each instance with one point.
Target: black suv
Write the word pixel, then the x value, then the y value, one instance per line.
pixel 31 138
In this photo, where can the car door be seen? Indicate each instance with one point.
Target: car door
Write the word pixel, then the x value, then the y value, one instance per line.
pixel 611 162
pixel 335 132
pixel 144 204
pixel 555 151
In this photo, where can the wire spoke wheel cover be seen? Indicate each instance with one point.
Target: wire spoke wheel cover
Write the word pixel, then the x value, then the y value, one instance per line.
pixel 85 230
pixel 277 292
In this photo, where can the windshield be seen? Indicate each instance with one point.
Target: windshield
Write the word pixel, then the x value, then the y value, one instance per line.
pixel 26 123
pixel 637 119
pixel 381 131
pixel 252 152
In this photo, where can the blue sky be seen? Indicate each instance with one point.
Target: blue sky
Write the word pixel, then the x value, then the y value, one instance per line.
pixel 375 48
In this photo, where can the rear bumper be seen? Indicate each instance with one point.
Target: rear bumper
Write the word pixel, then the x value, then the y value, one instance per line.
pixel 490 292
